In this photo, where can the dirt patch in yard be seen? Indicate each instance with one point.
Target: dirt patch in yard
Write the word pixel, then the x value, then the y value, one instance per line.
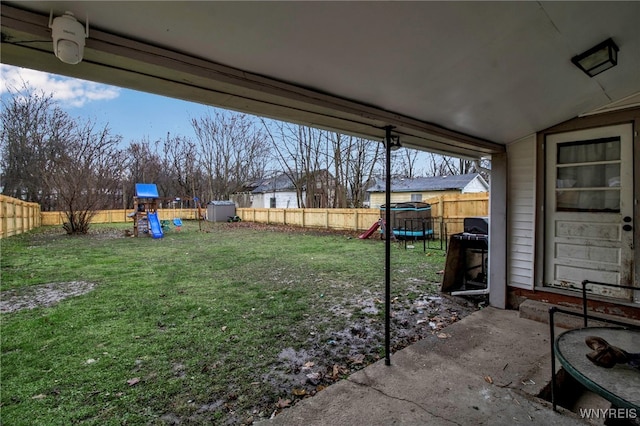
pixel 329 356
pixel 41 295
pixel 326 357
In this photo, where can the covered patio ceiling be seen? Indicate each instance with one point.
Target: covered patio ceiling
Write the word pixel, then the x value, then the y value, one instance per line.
pixel 461 78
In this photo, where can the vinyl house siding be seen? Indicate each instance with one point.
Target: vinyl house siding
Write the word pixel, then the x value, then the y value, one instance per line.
pixel 521 212
pixel 284 200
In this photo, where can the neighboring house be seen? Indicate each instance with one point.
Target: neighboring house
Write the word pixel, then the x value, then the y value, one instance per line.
pixel 422 188
pixel 243 197
pixel 279 191
pixel 276 192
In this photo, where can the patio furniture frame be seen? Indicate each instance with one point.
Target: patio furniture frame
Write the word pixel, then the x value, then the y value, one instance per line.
pixel 553 310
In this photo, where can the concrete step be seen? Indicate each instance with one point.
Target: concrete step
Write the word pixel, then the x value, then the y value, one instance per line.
pixel 539 311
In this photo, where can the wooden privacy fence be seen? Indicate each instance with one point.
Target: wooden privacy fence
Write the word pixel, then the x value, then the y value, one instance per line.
pixel 453 208
pixel 17 216
pixel 344 219
pixel 119 216
pixel 448 210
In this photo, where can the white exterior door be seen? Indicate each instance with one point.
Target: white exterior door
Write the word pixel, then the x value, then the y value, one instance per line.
pixel 589 209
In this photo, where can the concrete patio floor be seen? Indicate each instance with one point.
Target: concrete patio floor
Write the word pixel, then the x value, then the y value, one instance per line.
pixel 486 369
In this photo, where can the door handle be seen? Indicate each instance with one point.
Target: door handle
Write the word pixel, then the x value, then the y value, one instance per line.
pixel 626 219
pixel 627 227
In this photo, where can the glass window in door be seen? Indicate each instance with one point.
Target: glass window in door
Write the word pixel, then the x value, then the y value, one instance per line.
pixel 588 176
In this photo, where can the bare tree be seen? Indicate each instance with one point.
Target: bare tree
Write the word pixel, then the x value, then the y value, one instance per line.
pixel 398 167
pixel 86 174
pixel 285 152
pixel 34 129
pixel 301 152
pixel 434 164
pixel 364 155
pixel 313 175
pixel 144 164
pixel 408 159
pixel 338 150
pixel 180 158
pixel 352 161
pixel 232 151
pixel 441 165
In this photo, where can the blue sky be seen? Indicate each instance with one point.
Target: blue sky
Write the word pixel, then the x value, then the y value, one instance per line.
pixel 133 115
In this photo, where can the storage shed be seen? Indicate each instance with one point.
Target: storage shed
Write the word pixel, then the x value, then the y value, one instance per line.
pixel 220 211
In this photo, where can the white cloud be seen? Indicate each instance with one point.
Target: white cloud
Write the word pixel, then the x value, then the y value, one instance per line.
pixel 70 92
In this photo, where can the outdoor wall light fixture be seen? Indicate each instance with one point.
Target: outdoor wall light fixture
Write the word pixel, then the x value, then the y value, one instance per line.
pixel 68 37
pixel 394 143
pixel 597 59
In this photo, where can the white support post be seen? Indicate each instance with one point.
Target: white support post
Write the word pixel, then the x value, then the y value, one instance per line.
pixel 498 232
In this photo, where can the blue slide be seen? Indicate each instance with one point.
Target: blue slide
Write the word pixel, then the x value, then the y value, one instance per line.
pixel 154 225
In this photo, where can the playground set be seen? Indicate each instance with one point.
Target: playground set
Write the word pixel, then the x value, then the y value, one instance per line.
pixel 146 220
pixel 145 212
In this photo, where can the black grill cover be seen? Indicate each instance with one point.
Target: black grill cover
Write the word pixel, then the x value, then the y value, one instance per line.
pixel 476 225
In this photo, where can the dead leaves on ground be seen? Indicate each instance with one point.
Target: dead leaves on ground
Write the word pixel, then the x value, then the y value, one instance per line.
pixel 319 380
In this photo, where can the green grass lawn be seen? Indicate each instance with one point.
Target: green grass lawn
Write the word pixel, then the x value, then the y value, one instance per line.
pixel 193 326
